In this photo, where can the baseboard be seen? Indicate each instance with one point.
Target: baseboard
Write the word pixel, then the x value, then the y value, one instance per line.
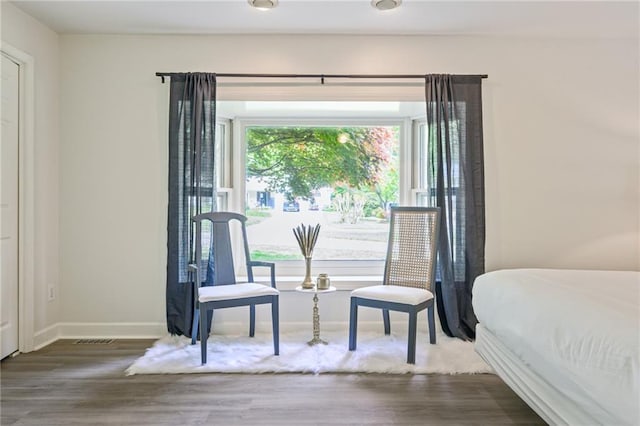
pixel 292 326
pixel 239 327
pixel 117 330
pixel 152 330
pixel 90 330
pixel 45 337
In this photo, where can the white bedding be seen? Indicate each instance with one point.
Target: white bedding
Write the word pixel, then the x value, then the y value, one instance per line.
pixel 578 330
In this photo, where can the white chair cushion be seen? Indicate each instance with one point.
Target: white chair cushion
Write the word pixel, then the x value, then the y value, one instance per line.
pixel 394 293
pixel 234 291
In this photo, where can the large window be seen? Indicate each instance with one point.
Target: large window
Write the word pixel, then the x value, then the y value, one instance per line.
pixel 341 173
pixel 343 178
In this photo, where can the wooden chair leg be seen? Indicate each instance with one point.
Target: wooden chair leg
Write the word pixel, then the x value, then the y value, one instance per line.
pixel 203 335
pixel 252 320
pixel 275 325
pixel 194 326
pixel 196 314
pixel 387 323
pixel 432 325
pixel 411 346
pixel 353 324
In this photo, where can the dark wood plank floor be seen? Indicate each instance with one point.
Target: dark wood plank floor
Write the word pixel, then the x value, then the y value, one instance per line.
pixel 71 384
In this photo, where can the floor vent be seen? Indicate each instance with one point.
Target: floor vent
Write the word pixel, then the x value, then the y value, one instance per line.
pixel 93 341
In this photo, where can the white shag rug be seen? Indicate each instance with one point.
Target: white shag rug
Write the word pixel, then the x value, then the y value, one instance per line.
pixel 376 353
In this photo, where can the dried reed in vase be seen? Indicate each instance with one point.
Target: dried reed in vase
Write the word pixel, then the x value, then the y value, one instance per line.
pixel 307 237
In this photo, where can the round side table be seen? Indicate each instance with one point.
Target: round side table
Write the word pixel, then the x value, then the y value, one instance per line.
pixel 316 316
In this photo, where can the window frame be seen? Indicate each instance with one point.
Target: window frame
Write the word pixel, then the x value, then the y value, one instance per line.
pixel 225 177
pixel 420 191
pixel 350 273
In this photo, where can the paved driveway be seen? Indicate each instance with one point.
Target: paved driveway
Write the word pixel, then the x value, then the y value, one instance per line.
pixel 365 240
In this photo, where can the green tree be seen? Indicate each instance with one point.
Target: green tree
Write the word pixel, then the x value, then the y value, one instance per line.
pixel 387 189
pixel 298 160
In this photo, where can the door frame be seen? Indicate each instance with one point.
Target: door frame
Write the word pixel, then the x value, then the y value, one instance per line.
pixel 26 195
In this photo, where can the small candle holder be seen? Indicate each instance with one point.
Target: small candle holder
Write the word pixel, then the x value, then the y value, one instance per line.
pixel 323 282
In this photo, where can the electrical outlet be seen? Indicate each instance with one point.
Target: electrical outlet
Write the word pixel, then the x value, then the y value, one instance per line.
pixel 52 292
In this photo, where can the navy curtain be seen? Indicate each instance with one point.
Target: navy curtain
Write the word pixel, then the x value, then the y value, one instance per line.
pixel 192 185
pixel 456 173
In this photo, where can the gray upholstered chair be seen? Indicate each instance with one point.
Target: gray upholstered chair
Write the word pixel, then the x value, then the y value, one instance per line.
pixel 409 273
pixel 221 289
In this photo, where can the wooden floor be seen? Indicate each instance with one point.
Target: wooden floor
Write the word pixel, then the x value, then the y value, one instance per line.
pixel 76 384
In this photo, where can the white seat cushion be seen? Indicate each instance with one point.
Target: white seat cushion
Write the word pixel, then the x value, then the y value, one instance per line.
pixel 234 291
pixel 394 293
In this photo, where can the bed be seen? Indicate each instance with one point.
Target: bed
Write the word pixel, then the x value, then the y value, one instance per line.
pixel 566 341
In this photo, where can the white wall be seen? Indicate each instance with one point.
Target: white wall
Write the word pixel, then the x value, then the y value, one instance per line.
pixel 29 36
pixel 561 149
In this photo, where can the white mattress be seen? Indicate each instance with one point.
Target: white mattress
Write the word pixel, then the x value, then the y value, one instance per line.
pixel 577 330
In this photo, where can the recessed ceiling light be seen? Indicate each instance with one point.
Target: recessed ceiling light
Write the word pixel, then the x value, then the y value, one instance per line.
pixel 263 4
pixel 385 4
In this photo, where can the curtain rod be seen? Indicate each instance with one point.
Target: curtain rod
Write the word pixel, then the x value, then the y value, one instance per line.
pixel 320 76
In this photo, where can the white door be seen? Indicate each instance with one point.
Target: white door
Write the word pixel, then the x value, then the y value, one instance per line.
pixel 9 87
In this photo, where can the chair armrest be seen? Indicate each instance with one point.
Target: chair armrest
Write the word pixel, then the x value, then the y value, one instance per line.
pixel 261 263
pixel 268 265
pixel 193 269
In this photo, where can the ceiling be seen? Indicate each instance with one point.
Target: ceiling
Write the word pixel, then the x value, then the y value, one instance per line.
pixel 514 18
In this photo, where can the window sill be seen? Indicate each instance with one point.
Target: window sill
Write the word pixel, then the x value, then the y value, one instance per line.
pixel 342 283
